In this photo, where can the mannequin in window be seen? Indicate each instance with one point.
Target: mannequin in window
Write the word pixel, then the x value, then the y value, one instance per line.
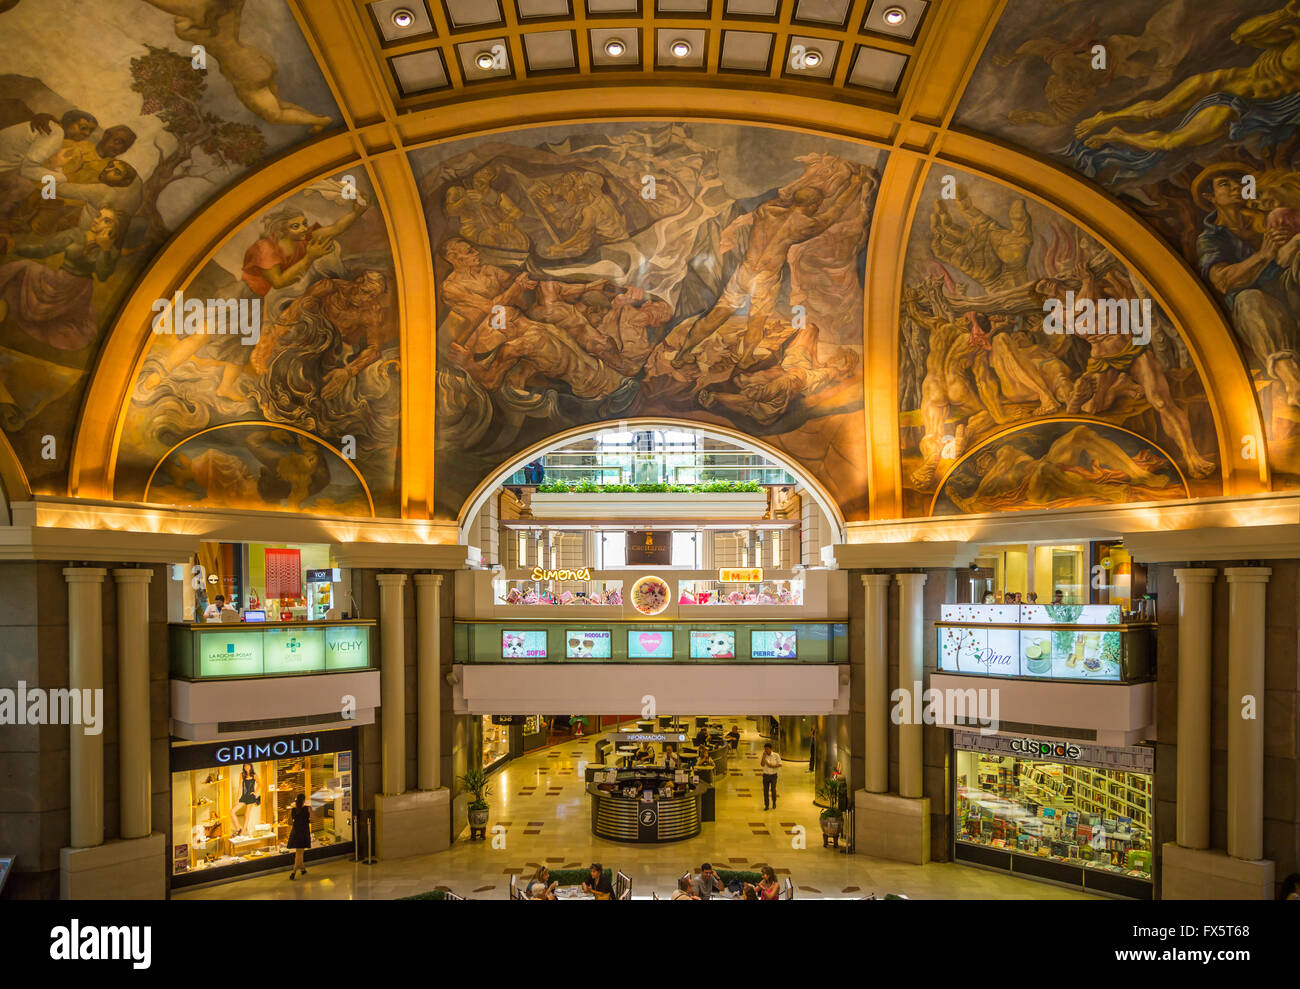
pixel 248 798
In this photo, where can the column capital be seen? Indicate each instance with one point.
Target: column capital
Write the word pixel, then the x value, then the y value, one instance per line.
pixel 390 579
pixel 84 575
pixel 1238 575
pixel 132 575
pixel 876 579
pixel 1196 575
pixel 915 579
pixel 428 579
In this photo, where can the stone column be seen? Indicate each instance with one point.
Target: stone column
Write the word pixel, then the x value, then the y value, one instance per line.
pixel 134 762
pixel 911 653
pixel 1246 644
pixel 86 672
pixel 875 629
pixel 392 681
pixel 428 587
pixel 1195 601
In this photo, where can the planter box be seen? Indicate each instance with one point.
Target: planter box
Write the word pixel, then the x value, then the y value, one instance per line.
pixel 666 505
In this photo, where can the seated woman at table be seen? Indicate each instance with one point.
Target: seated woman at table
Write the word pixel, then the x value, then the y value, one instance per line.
pixel 671 759
pixel 542 877
pixel 645 753
pixel 768 888
pixel 540 891
pixel 705 760
pixel 598 883
pixel 749 892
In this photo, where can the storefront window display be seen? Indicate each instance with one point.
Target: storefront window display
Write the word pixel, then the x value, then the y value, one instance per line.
pixel 496 742
pixel 231 801
pixel 1098 819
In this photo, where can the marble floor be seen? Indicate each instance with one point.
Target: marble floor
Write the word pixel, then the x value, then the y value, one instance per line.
pixel 541 802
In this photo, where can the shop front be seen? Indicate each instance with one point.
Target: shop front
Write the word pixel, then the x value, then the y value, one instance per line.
pixel 1066 811
pixel 231 801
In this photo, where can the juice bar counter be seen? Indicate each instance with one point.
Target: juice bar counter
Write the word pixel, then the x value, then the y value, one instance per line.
pixel 646 805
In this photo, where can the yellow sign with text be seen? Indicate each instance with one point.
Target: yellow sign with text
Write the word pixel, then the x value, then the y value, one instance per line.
pixel 740 575
pixel 540 574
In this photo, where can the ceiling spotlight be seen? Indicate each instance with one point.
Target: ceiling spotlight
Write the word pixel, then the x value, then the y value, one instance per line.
pixel 403 17
pixel 894 16
pixel 812 58
pixel 680 48
pixel 484 60
pixel 614 48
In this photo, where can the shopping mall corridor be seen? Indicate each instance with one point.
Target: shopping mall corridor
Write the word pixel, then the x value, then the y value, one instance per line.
pixel 540 801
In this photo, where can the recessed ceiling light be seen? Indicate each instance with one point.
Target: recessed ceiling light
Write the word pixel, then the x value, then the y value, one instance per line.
pixel 894 16
pixel 403 17
pixel 812 58
pixel 614 48
pixel 485 60
pixel 680 48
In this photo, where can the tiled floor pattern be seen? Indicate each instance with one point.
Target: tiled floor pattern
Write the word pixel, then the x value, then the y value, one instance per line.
pixel 547 820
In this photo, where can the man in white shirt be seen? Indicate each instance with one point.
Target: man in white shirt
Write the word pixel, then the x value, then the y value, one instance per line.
pixel 770 763
pixel 214 610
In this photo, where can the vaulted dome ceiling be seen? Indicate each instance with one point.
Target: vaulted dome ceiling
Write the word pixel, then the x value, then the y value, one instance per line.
pixel 454 228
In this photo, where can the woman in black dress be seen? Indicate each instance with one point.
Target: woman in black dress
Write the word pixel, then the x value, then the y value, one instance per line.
pixel 299 834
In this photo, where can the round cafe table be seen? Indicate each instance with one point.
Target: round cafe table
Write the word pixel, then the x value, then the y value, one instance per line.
pixel 572 893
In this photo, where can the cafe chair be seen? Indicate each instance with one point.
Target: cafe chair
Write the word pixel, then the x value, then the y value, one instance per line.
pixel 622 886
pixel 896 896
pixel 654 895
pixel 514 888
pixel 787 890
pixel 449 895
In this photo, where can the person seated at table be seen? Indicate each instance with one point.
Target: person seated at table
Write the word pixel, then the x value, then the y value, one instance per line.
pixel 644 753
pixel 543 877
pixel 749 892
pixel 598 883
pixel 540 891
pixel 701 739
pixel 684 890
pixel 768 888
pixel 671 759
pixel 707 883
pixel 705 760
pixel 733 737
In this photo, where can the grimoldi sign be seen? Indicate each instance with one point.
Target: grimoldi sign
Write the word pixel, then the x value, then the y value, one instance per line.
pixel 649 547
pixel 272 747
pixel 1130 758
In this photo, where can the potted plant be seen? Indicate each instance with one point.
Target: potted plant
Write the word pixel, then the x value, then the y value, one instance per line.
pixel 831 795
pixel 475 783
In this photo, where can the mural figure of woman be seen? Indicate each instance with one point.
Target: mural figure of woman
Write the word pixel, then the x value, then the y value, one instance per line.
pixel 53 305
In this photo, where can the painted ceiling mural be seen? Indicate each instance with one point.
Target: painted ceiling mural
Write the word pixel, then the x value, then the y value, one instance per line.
pixel 1188 112
pixel 299 409
pixel 139 128
pixel 1006 402
pixel 699 271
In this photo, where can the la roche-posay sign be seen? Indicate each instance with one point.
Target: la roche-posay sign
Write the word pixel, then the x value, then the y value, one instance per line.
pixel 230 654
pixel 347 647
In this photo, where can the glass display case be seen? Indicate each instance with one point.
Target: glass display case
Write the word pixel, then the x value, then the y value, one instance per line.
pixel 1096 819
pixel 557 592
pixel 760 592
pixel 496 742
pixel 232 816
pixel 1058 642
